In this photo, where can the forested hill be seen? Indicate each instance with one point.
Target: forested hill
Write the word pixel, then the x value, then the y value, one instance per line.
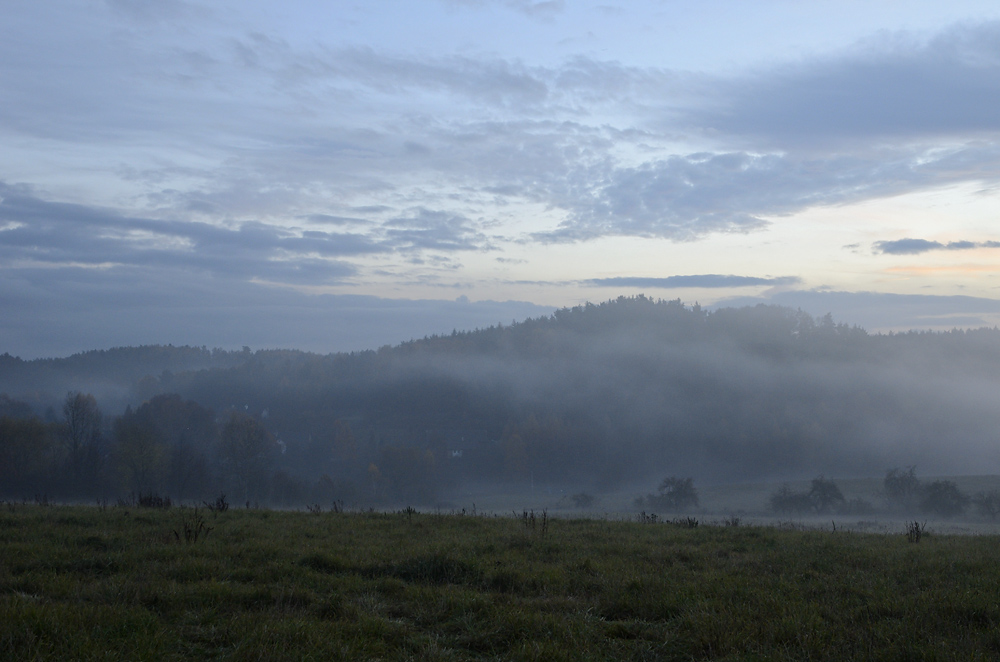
pixel 604 394
pixel 111 372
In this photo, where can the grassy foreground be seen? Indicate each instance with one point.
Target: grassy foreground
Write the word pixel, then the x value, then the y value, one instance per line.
pixel 135 584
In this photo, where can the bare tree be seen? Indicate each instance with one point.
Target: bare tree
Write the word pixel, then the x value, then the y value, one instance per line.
pixel 82 420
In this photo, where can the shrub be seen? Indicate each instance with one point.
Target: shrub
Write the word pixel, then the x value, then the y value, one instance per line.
pixel 674 494
pixel 788 502
pixel 153 500
pixel 824 494
pixel 987 503
pixel 942 497
pixel 902 488
pixel 219 506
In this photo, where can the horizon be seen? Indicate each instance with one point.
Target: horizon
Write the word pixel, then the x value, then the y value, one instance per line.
pixel 241 346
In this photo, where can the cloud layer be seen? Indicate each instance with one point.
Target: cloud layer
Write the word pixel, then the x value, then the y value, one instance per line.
pixel 705 280
pixel 166 142
pixel 910 246
pixel 594 141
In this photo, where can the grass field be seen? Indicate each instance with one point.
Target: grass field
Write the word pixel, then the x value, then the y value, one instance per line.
pixel 80 583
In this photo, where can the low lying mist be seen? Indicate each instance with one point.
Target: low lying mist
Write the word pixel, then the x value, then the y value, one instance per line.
pixel 597 399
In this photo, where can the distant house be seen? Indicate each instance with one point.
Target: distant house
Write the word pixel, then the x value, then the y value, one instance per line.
pixel 458 444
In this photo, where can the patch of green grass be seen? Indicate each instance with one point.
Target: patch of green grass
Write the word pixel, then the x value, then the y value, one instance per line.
pixel 82 583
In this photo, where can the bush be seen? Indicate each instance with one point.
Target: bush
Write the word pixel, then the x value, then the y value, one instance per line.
pixel 987 503
pixel 943 498
pixel 902 488
pixel 153 500
pixel 674 494
pixel 788 502
pixel 824 495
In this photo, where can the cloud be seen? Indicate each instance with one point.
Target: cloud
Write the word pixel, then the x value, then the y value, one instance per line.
pixel 329 219
pixel 436 230
pixel 687 197
pixel 240 154
pixel 705 280
pixel 492 81
pixel 153 10
pixel 593 141
pixel 571 161
pixel 911 246
pixel 42 233
pixel 893 86
pixel 596 142
pixel 61 234
pixel 532 8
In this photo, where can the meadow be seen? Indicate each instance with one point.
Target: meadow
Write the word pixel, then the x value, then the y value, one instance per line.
pixel 128 583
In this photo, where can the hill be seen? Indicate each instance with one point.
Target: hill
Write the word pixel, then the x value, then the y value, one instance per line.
pixel 598 396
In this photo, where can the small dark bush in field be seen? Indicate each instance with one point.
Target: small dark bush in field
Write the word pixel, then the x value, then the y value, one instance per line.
pixel 315 508
pixel 643 518
pixel 732 521
pixel 582 500
pixel 914 531
pixel 686 522
pixel 942 497
pixel 220 505
pixel 987 503
pixel 152 500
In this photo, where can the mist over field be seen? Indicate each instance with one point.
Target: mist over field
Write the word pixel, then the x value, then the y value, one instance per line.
pixel 593 398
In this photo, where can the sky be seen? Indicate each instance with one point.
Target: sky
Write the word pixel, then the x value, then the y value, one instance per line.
pixel 337 176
